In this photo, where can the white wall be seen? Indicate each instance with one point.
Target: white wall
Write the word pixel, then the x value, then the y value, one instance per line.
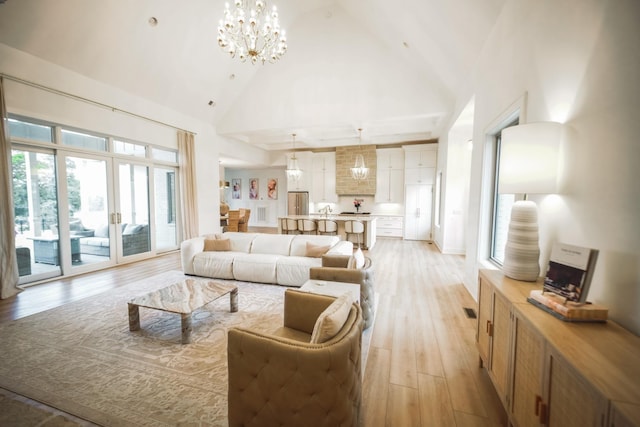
pixel 578 61
pixel 275 208
pixel 454 161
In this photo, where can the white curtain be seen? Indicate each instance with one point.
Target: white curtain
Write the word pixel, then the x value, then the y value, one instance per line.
pixel 8 258
pixel 188 193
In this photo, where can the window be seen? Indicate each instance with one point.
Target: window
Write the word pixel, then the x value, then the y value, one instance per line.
pixel 502 203
pixel 129 148
pixel 171 191
pixel 82 140
pixel 170 156
pixel 33 131
pixel 439 207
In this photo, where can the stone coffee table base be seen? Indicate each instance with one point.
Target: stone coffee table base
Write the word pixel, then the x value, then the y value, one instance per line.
pixel 183 298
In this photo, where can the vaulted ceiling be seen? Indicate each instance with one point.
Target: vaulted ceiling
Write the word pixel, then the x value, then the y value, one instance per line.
pixel 392 68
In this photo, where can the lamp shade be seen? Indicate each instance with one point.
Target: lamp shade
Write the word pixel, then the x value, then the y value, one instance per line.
pixel 529 156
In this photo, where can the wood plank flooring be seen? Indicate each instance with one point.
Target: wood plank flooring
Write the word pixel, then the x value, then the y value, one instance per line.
pixel 422 367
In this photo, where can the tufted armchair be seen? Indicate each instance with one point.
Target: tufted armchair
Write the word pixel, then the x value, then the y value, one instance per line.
pixel 282 379
pixel 341 268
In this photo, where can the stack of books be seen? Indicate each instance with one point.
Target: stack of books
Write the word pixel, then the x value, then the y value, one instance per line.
pixel 566 284
pixel 567 310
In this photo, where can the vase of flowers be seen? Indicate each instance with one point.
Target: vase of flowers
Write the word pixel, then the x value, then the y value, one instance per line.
pixel 357 203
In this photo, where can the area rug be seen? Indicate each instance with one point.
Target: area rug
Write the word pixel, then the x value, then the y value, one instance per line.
pixel 82 359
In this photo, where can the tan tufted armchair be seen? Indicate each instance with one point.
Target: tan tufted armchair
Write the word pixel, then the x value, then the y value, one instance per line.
pixel 341 268
pixel 283 380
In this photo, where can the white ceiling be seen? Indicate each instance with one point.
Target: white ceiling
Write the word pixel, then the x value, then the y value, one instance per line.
pixel 392 68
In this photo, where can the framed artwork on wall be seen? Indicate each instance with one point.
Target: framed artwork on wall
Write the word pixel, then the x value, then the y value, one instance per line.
pixel 254 194
pixel 272 189
pixel 236 188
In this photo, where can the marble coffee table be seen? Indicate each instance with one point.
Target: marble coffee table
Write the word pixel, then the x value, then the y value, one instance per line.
pixel 183 297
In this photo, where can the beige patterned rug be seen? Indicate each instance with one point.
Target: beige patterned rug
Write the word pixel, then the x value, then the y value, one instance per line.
pixel 82 359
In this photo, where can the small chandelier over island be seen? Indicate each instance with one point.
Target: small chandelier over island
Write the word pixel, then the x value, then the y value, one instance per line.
pixel 359 171
pixel 293 170
pixel 250 32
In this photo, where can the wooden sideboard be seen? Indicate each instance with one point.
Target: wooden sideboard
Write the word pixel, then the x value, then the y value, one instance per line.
pixel 550 372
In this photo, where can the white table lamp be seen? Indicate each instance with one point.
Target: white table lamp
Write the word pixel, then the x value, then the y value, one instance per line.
pixel 528 165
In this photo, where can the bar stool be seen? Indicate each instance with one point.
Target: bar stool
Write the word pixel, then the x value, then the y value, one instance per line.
pixel 289 226
pixel 354 227
pixel 326 226
pixel 307 226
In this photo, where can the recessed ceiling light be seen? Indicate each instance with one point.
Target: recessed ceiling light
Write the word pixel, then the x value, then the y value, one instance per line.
pixel 153 21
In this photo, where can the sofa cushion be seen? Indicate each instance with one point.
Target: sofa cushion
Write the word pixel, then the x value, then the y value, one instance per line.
pixel 316 251
pixel 214 264
pixel 331 320
pixel 299 243
pixel 94 241
pixel 294 270
pixel 240 242
pixel 275 244
pixel 255 267
pixel 213 245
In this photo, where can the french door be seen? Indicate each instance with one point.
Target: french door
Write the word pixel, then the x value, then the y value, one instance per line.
pixel 107 206
pixel 130 215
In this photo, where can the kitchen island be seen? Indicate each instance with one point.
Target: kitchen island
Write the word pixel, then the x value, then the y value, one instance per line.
pixel 366 242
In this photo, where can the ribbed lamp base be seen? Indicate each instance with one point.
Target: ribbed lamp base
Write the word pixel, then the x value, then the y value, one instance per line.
pixel 522 252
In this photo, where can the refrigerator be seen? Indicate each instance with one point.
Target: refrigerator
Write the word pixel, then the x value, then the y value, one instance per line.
pixel 298 203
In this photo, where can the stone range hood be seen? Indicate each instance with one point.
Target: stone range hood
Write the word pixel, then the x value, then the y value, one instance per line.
pixel 345 159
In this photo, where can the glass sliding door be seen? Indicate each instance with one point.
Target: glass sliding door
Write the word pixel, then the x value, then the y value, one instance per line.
pixel 164 183
pixel 35 204
pixel 88 210
pixel 132 213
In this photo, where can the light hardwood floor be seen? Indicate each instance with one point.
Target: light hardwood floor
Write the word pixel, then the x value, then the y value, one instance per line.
pixel 423 365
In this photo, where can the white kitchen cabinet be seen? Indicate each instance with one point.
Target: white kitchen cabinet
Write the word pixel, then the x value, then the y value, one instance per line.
pixel 390 175
pixel 417 215
pixel 389 226
pixel 420 156
pixel 420 176
pixel 420 164
pixel 323 176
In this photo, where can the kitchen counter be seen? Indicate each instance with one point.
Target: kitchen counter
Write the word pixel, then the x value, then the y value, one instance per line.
pixel 368 220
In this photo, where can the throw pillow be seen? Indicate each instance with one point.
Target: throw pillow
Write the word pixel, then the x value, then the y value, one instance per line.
pixel 359 257
pixel 132 229
pixel 102 231
pixel 315 251
pixel 213 236
pixel 331 320
pixel 217 245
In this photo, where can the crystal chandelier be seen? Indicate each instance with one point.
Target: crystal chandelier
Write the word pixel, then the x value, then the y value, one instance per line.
pixel 252 33
pixel 293 171
pixel 359 171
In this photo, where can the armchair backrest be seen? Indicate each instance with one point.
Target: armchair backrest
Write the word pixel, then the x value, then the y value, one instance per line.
pixel 364 276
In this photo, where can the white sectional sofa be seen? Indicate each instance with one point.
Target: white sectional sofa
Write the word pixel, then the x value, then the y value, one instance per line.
pixel 256 257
